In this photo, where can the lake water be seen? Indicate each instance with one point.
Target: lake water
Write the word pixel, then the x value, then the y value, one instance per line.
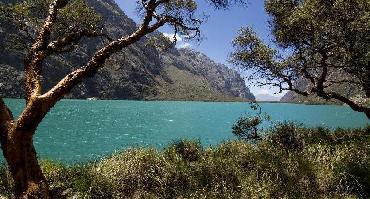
pixel 80 130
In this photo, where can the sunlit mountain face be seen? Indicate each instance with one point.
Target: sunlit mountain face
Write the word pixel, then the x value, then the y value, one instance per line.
pixel 138 72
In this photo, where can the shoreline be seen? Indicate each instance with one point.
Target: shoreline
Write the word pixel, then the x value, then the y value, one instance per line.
pixel 200 101
pixel 185 168
pixel 205 101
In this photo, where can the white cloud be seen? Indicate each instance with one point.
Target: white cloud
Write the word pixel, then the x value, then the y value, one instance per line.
pixel 171 37
pixel 262 92
pixel 179 40
pixel 184 45
pixel 267 91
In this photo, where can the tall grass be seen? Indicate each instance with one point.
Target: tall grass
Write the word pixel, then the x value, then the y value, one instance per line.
pixel 289 162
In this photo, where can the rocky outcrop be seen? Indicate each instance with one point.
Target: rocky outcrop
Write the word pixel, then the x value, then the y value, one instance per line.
pixel 138 72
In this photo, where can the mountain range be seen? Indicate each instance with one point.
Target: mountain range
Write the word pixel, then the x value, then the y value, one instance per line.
pixel 139 72
pixel 267 98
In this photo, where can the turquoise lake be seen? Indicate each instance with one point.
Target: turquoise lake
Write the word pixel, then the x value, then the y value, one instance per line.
pixel 80 130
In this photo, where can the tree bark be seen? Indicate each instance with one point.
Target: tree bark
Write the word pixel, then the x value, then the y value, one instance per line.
pixel 21 157
pixel 19 152
pixel 368 114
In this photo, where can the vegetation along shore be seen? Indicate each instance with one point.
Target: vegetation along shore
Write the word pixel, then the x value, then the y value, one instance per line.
pixel 290 161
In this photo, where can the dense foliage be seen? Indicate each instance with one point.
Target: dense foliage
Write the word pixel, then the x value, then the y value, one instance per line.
pixel 28 16
pixel 323 43
pixel 247 128
pixel 290 162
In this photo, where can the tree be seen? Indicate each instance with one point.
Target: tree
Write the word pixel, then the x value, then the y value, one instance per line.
pixel 248 127
pixel 55 27
pixel 324 43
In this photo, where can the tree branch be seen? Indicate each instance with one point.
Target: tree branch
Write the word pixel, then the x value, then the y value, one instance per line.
pixel 36 54
pixel 324 73
pixel 307 75
pixel 5 113
pixel 6 118
pixel 98 59
pixel 60 44
pixel 355 106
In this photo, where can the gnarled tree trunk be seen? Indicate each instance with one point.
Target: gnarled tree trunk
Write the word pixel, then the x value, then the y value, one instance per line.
pixel 19 152
pixel 26 172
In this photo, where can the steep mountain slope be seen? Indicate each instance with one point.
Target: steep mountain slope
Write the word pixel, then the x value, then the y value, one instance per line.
pixel 192 75
pixel 138 72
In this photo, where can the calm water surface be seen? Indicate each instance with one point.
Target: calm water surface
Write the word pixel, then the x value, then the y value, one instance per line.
pixel 80 130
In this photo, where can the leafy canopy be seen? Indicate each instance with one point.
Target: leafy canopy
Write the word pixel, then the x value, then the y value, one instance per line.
pixel 78 15
pixel 324 43
pixel 29 16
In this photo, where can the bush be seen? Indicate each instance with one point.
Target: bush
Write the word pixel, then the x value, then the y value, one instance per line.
pixel 291 161
pixel 287 136
pixel 188 150
pixel 247 128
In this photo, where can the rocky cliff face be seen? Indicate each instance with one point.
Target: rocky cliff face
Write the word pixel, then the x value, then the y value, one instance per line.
pixel 192 75
pixel 138 72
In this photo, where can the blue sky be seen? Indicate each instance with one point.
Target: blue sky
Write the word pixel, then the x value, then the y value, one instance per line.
pixel 220 29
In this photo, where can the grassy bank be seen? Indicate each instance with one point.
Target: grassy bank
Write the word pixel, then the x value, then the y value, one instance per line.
pixel 292 162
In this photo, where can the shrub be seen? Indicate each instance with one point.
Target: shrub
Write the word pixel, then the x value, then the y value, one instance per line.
pixel 188 150
pixel 247 128
pixel 288 136
pixel 291 161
